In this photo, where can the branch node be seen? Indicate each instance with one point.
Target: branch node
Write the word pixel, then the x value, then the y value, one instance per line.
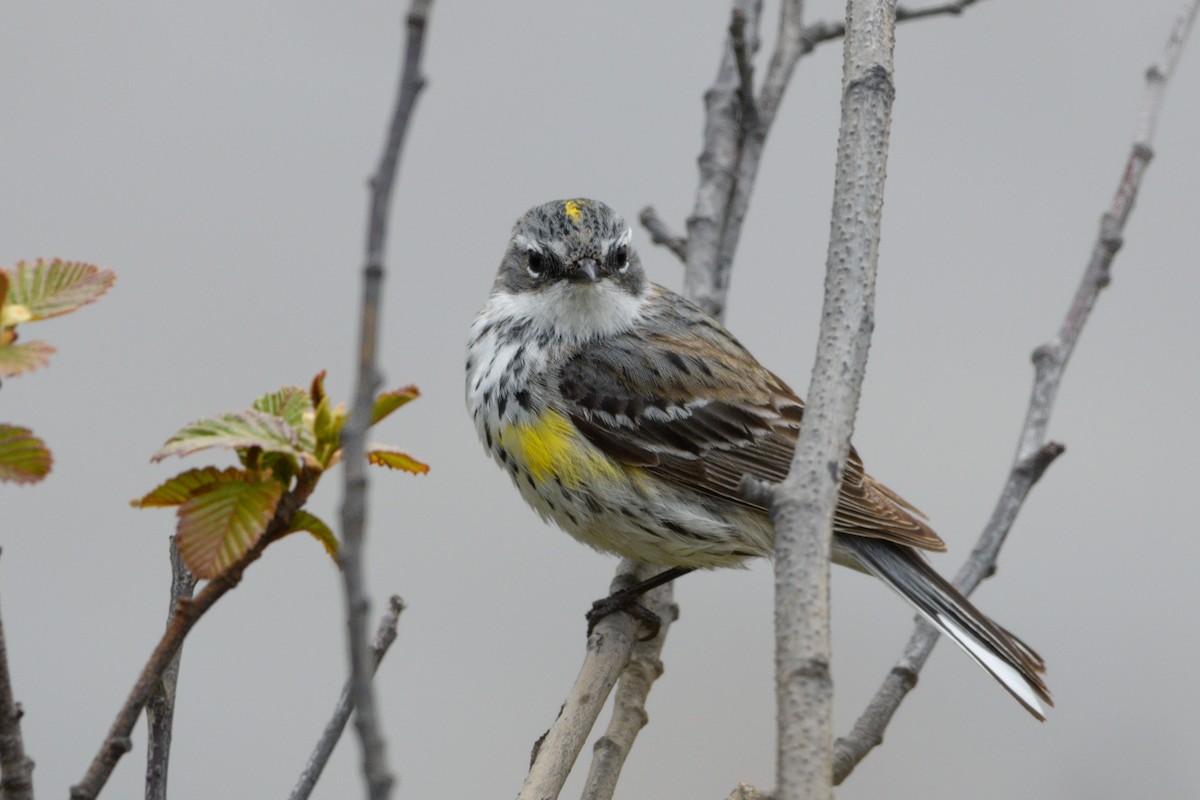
pixel 660 234
pixel 758 491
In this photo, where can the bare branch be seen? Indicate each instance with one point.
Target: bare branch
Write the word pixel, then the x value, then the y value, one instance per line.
pixel 661 234
pixel 384 636
pixel 743 56
pixel 374 757
pixel 1034 453
pixel 804 504
pixel 187 614
pixel 629 706
pixel 705 281
pixel 609 650
pixel 819 32
pixel 16 768
pixel 160 705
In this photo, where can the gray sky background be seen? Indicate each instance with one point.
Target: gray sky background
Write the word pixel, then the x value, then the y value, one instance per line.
pixel 215 155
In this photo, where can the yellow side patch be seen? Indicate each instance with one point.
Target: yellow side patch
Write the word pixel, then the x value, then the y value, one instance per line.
pixel 549 447
pixel 573 209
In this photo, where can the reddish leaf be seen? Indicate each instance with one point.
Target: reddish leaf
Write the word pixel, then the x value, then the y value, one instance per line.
pixel 218 525
pixel 16 359
pixel 177 490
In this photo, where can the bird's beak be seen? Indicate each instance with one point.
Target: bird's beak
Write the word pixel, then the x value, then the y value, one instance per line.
pixel 587 268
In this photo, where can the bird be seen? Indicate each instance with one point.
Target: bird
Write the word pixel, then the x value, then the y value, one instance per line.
pixel 628 416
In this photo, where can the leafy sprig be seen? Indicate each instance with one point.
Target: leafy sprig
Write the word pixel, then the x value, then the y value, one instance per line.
pixel 29 294
pixel 223 513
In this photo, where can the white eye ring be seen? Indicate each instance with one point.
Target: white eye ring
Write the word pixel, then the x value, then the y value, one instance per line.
pixel 623 253
pixel 535 264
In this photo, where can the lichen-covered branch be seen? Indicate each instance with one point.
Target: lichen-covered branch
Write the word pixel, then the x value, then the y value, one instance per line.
pixel 1034 452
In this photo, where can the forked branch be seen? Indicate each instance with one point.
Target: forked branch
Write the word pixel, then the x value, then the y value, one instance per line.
pixel 1034 452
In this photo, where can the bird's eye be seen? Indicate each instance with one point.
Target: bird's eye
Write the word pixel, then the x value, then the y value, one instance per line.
pixel 535 264
pixel 620 258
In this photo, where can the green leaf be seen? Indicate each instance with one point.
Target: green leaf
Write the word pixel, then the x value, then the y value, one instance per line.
pixel 177 490
pixel 235 429
pixel 388 402
pixel 397 460
pixel 218 525
pixel 290 402
pixel 304 521
pixel 16 359
pixel 23 457
pixel 47 290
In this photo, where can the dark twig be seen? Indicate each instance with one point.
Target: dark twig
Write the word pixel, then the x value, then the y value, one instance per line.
pixel 187 614
pixel 374 758
pixel 16 768
pixel 160 705
pixel 661 234
pixel 384 636
pixel 1034 453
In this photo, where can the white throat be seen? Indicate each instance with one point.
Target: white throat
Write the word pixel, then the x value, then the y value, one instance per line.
pixel 575 312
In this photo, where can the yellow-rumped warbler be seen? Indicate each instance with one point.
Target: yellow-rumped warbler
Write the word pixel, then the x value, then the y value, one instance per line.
pixel 628 416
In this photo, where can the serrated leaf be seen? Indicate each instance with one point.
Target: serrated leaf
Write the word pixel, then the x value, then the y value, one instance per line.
pixel 177 490
pixel 218 525
pixel 388 402
pixel 290 402
pixel 394 459
pixel 23 456
pixel 235 429
pixel 304 521
pixel 59 287
pixel 16 359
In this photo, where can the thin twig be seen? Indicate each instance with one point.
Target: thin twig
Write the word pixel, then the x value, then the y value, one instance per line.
pixel 663 235
pixel 160 705
pixel 187 614
pixel 1034 452
pixel 609 649
pixel 804 504
pixel 16 768
pixel 374 758
pixel 384 636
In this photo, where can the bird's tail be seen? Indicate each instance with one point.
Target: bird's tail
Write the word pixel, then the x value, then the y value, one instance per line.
pixel 1005 657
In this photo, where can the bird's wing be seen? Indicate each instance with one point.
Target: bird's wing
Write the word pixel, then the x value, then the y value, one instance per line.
pixel 700 411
